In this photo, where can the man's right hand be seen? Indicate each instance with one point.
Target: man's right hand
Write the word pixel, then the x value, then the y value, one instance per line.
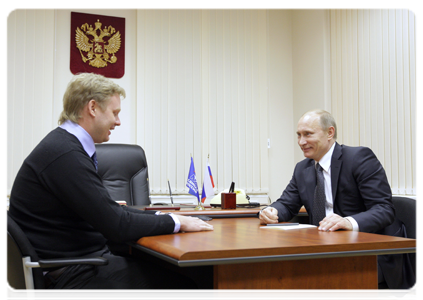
pixel 269 215
pixel 193 224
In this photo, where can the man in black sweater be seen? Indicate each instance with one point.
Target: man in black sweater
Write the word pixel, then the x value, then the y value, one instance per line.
pixel 60 203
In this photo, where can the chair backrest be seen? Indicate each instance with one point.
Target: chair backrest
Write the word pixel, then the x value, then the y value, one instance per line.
pixel 18 247
pixel 124 171
pixel 408 212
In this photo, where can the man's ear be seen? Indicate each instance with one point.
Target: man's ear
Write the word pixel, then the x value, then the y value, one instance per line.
pixel 92 105
pixel 331 132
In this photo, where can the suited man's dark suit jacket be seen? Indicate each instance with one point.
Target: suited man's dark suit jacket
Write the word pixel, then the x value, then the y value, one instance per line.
pixel 360 189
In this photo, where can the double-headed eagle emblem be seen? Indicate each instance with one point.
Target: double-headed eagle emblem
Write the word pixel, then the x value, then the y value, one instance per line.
pixel 100 52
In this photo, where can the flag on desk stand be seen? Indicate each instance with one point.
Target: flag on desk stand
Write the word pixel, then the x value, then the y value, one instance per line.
pixel 192 181
pixel 208 183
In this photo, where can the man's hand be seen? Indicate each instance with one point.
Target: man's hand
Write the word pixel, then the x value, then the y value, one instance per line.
pixel 193 224
pixel 269 215
pixel 334 222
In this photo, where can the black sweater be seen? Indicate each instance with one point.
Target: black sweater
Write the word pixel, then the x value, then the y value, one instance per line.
pixel 62 206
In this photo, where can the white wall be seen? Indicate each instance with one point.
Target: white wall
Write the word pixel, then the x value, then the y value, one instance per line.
pixel 268 52
pixel 374 88
pixel 30 81
pixel 281 105
pixel 202 90
pixel 311 64
pixel 291 56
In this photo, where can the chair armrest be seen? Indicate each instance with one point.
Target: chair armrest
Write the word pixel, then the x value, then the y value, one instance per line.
pixel 61 262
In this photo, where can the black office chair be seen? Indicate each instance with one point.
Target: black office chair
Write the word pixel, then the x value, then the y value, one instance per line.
pixel 124 171
pixel 405 209
pixel 25 269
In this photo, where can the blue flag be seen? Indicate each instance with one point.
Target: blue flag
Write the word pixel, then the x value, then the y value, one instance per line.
pixel 192 181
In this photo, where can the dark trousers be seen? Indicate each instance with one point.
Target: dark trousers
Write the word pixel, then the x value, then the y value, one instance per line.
pixel 120 273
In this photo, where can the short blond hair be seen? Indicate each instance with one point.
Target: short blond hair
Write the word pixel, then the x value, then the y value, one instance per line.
pixel 82 89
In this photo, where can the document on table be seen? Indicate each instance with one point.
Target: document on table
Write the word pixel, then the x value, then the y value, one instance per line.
pixel 290 227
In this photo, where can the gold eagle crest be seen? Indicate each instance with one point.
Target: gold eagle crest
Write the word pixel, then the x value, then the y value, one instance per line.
pixel 99 51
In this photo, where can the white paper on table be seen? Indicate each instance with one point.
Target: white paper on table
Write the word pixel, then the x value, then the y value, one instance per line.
pixel 290 227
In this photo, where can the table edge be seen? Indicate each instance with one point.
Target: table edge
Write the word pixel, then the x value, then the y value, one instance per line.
pixel 255 259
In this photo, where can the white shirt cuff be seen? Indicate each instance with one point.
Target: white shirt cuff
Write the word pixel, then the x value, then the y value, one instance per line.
pixel 177 223
pixel 175 219
pixel 353 223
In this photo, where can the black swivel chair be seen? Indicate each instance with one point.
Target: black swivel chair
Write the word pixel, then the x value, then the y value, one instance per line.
pixel 405 209
pixel 124 171
pixel 24 268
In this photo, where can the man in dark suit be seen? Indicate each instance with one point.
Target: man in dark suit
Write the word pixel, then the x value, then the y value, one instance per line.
pixel 59 200
pixel 341 187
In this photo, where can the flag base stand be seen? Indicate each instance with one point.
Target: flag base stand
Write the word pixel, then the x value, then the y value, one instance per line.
pixel 199 207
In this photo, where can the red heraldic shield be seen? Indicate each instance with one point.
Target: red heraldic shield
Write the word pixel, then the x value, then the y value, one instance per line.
pixel 97 45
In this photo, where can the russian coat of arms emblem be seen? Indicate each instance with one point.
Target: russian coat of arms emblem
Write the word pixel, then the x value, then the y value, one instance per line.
pixel 98 45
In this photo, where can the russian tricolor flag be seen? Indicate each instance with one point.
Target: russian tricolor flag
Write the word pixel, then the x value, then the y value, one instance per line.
pixel 208 183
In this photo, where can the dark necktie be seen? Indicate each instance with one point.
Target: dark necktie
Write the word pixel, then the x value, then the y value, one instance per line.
pixel 94 158
pixel 319 210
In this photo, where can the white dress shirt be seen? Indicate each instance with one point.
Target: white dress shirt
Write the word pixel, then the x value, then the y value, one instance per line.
pixel 325 163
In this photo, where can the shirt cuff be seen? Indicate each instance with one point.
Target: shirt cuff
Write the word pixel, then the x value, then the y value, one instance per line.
pixel 175 219
pixel 353 223
pixel 177 223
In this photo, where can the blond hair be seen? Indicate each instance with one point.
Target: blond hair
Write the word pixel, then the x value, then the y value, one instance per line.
pixel 83 88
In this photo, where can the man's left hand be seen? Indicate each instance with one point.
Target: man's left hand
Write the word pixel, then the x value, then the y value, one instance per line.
pixel 189 224
pixel 335 222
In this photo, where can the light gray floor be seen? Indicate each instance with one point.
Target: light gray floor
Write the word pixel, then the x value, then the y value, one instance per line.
pixel 413 295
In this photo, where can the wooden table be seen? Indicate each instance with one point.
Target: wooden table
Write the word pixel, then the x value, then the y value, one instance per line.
pixel 215 212
pixel 245 256
pixel 220 213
